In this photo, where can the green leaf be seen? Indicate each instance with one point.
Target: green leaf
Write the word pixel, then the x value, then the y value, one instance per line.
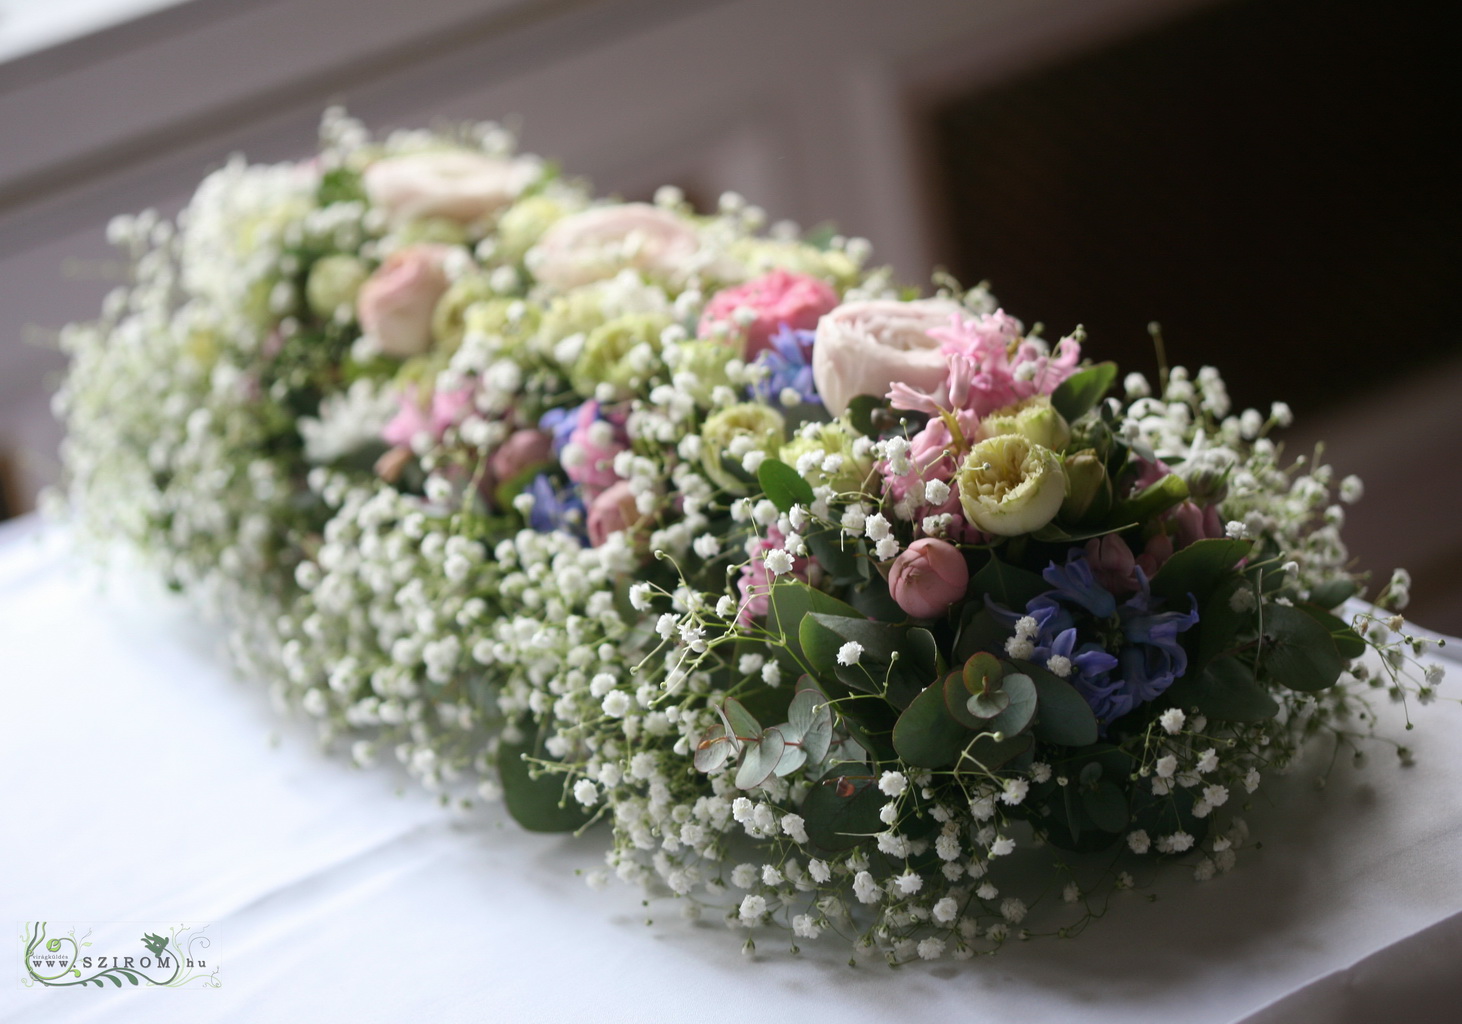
pixel 790 600
pixel 879 639
pixel 841 822
pixel 1053 534
pixel 986 754
pixel 860 413
pixel 792 758
pixel 926 734
pixel 1082 390
pixel 1007 585
pixel 1348 642
pixel 1106 805
pixel 1020 709
pixel 1151 501
pixel 1062 715
pixel 759 760
pixel 1333 594
pixel 812 718
pixel 984 706
pixel 1198 568
pixel 978 632
pixel 956 702
pixel 1298 652
pixel 539 804
pixel 843 558
pixel 1226 691
pixel 783 485
pixel 1220 628
pixel 982 671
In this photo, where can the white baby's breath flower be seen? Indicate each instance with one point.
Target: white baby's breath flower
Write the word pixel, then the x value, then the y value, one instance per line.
pixel 850 652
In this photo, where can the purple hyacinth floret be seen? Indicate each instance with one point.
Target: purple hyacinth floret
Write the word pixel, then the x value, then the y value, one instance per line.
pixel 789 361
pixel 556 508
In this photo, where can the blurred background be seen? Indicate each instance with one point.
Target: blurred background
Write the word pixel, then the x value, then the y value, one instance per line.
pixel 1277 182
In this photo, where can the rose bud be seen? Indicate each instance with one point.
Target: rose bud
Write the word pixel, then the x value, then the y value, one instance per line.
pixel 612 511
pixel 928 577
pixel 1009 485
pixel 522 450
pixel 396 303
pixel 1111 563
pixel 1088 489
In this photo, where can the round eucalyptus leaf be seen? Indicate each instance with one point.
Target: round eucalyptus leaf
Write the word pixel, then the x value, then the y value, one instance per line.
pixel 713 749
pixel 759 760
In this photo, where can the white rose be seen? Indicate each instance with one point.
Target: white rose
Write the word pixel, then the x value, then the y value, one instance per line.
pixel 598 243
pixel 1009 485
pixel 453 184
pixel 864 348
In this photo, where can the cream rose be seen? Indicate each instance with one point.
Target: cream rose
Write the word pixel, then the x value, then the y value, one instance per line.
pixel 1009 485
pixel 396 303
pixel 452 184
pixel 864 348
pixel 598 243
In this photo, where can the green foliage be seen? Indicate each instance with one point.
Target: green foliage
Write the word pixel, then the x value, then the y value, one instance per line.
pixel 539 804
pixel 1198 568
pixel 1006 585
pixel 1226 691
pixel 1063 716
pixel 783 485
pixel 1298 651
pixel 840 814
pixel 1078 393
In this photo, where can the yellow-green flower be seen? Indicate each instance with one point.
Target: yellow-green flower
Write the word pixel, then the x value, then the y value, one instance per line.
pixel 1034 418
pixel 1009 485
pixel 732 433
pixel 333 284
pixel 622 353
pixel 830 445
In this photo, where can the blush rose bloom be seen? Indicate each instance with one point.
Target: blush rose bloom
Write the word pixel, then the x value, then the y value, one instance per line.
pixel 598 243
pixel 760 308
pixel 864 348
pixel 396 303
pixel 928 577
pixel 453 184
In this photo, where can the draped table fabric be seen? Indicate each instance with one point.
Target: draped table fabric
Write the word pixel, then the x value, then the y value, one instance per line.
pixel 141 781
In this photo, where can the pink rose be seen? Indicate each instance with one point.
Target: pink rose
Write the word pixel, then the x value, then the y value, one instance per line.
pixel 396 302
pixel 614 510
pixel 522 450
pixel 453 184
pixel 598 243
pixel 1111 563
pixel 928 577
pixel 864 348
pixel 773 301
pixel 415 418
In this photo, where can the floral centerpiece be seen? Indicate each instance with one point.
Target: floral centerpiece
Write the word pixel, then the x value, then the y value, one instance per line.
pixel 829 600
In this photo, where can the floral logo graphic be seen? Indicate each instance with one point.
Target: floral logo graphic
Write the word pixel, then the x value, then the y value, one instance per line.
pixel 182 957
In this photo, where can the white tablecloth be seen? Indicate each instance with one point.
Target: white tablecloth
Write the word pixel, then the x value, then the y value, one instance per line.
pixel 139 781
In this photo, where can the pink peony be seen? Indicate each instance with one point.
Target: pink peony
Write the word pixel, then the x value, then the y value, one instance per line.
pixel 928 577
pixel 775 300
pixel 396 302
pixel 612 511
pixel 415 418
pixel 522 450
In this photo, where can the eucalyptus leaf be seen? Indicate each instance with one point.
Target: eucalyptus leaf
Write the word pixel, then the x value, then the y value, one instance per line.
pixel 1106 805
pixel 1298 652
pixel 1226 691
pixel 1348 643
pixel 792 758
pixel 1062 715
pixel 986 754
pixel 759 760
pixel 978 632
pixel 982 671
pixel 1007 585
pixel 956 700
pixel 985 706
pixel 1020 708
pixel 1333 594
pixel 819 735
pixel 713 749
pixel 842 820
pixel 790 600
pixel 744 725
pixel 926 734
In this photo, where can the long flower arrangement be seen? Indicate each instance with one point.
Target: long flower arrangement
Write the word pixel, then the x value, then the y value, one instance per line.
pixel 834 602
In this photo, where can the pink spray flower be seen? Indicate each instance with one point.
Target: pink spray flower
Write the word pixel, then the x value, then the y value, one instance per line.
pixel 414 418
pixel 612 511
pixel 522 449
pixel 594 441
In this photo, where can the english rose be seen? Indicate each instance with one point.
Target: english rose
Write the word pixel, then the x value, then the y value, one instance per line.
pixel 598 243
pixel 761 307
pixel 864 348
pixel 1009 485
pixel 928 577
pixel 396 303
pixel 452 184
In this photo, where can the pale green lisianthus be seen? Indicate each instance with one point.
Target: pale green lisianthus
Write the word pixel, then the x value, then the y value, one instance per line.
pixel 823 454
pixel 523 223
pixel 333 284
pixel 704 360
pixel 732 434
pixel 1009 485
